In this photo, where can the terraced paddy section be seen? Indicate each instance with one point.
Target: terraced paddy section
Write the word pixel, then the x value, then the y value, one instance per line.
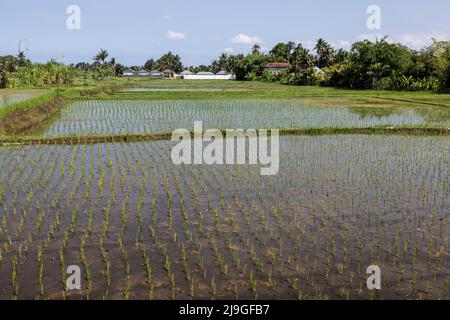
pixel 181 89
pixel 10 96
pixel 140 227
pixel 146 116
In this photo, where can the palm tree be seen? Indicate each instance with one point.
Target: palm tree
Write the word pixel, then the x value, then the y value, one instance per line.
pixel 325 53
pixel 101 56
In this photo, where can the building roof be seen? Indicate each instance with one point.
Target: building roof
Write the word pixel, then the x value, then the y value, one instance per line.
pixel 222 72
pixel 205 73
pixel 278 65
pixel 155 72
pixel 128 71
pixel 186 72
pixel 168 71
pixel 318 70
pixel 143 71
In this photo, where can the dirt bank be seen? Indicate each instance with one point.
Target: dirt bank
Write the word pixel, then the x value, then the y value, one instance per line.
pixel 55 140
pixel 19 121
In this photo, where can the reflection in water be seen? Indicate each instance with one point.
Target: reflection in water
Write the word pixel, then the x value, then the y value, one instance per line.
pixel 429 114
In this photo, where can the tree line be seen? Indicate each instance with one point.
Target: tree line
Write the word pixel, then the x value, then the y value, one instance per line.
pixel 378 65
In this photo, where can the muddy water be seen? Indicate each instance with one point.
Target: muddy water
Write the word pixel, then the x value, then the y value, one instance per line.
pixel 337 205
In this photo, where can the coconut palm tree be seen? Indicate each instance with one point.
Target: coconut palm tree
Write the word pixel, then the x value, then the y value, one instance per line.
pixel 325 53
pixel 101 56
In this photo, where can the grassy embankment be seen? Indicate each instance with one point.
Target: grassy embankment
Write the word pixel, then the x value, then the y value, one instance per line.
pixel 19 117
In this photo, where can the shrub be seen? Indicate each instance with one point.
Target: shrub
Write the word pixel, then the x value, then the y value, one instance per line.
pixel 3 78
pixel 50 73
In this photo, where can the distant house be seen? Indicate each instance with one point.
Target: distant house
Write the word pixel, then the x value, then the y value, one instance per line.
pixel 186 73
pixel 128 73
pixel 222 72
pixel 156 74
pixel 205 73
pixel 277 67
pixel 222 75
pixel 143 73
pixel 170 74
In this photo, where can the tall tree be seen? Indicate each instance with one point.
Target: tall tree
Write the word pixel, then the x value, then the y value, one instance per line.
pixel 169 61
pixel 281 52
pixel 101 56
pixel 302 66
pixel 325 53
pixel 256 49
pixel 149 65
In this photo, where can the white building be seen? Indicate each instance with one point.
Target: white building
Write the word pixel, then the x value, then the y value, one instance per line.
pixel 129 73
pixel 186 73
pixel 143 73
pixel 156 74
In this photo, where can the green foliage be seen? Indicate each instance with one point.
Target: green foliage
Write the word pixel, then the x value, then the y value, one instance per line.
pixel 282 51
pixel 51 73
pixel 325 53
pixel 101 56
pixel 250 67
pixel 149 65
pixel 442 53
pixel 3 78
pixel 382 65
pixel 169 61
pixel 379 65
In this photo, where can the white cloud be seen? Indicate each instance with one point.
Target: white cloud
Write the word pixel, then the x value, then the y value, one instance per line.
pixel 370 36
pixel 166 17
pixel 412 40
pixel 308 44
pixel 343 44
pixel 245 39
pixel 421 40
pixel 172 35
pixel 228 50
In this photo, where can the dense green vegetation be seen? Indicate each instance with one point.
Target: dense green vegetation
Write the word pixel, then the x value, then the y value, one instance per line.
pixel 379 65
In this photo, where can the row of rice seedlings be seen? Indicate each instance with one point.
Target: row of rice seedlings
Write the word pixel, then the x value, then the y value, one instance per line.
pixel 87 117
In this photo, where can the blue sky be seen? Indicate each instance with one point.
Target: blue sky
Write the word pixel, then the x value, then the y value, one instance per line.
pixel 200 30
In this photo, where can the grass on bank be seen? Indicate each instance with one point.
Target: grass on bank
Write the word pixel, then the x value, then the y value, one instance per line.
pixel 27 104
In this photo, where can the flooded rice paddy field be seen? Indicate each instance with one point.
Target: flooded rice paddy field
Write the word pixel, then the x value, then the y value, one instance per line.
pixel 8 97
pixel 181 89
pixel 142 228
pixel 140 116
